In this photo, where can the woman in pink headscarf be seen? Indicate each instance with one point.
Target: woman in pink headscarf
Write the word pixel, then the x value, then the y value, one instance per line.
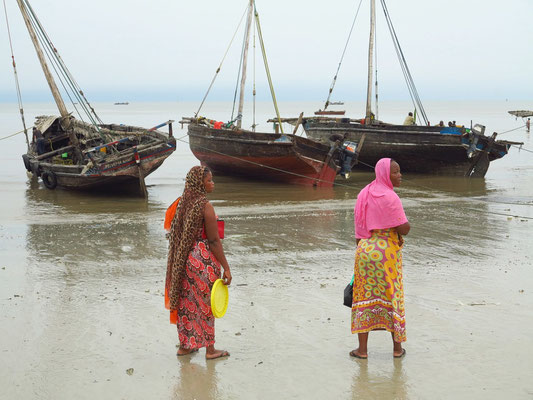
pixel 380 223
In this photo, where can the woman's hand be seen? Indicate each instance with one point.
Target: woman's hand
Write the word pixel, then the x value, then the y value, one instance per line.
pixel 226 276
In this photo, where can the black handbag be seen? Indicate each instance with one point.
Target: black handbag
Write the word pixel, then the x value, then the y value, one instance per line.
pixel 348 293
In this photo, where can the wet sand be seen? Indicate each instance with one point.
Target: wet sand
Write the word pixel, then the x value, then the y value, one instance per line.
pixel 81 292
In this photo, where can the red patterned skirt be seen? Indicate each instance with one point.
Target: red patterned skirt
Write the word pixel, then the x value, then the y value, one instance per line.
pixel 196 323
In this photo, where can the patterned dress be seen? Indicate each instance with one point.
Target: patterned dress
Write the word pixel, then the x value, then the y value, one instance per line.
pixel 195 321
pixel 378 301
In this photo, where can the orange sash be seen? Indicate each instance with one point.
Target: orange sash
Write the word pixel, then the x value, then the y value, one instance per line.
pixel 169 215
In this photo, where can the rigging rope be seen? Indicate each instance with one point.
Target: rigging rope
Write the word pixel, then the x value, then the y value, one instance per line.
pixel 403 63
pixel 261 42
pixel 19 95
pixel 332 86
pixel 61 69
pixel 220 65
pixel 241 62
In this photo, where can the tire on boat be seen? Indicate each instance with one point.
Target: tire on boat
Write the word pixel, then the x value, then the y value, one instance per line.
pixel 26 160
pixel 49 179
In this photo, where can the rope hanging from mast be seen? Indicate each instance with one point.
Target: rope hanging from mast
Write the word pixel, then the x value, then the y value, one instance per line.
pixel 332 86
pixel 220 65
pixel 19 95
pixel 403 63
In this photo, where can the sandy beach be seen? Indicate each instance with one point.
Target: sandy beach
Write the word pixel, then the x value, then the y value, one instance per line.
pixel 82 276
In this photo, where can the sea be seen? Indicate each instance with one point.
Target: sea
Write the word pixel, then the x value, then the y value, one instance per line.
pixel 82 276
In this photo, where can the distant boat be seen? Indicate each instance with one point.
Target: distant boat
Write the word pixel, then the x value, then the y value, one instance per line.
pixel 329 112
pixel 521 113
pixel 125 103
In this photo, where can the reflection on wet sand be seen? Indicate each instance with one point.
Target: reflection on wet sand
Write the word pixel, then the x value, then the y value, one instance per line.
pixel 91 270
pixel 196 381
pixel 75 228
pixel 385 383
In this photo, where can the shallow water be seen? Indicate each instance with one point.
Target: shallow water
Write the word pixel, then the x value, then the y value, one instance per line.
pixel 81 283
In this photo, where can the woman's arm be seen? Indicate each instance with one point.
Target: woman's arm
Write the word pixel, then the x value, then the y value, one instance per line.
pixel 403 229
pixel 211 230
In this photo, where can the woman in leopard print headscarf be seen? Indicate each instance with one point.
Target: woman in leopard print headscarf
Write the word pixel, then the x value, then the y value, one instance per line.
pixel 193 266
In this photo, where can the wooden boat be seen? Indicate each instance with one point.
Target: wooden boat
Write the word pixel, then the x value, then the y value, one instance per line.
pixel 228 149
pixel 419 149
pixel 424 149
pixel 521 113
pixel 114 156
pixel 70 153
pixel 283 158
pixel 329 112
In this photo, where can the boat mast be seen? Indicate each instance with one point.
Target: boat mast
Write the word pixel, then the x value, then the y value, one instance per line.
pixel 49 78
pixel 368 115
pixel 245 59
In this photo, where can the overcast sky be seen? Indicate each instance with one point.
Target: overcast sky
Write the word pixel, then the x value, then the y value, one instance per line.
pixel 168 50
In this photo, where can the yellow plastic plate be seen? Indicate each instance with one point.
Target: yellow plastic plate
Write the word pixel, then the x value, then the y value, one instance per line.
pixel 219 298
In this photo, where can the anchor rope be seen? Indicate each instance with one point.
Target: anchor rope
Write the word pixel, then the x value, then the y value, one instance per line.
pixel 510 130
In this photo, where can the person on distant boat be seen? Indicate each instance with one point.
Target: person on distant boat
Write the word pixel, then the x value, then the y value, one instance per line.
pixel 39 141
pixel 380 223
pixel 528 124
pixel 194 264
pixel 441 123
pixel 409 120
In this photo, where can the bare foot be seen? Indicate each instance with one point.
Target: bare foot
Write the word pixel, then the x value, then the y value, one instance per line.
pixel 214 354
pixel 358 354
pixel 184 352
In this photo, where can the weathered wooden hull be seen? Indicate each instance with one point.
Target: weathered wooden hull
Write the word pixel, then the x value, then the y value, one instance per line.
pixel 122 172
pixel 417 149
pixel 91 169
pixel 263 156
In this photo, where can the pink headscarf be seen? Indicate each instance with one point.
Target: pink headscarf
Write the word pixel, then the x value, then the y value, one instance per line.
pixel 377 205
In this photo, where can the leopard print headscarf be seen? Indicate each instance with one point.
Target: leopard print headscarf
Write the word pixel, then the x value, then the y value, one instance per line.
pixel 185 229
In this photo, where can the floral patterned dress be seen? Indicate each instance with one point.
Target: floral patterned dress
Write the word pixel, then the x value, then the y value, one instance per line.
pixel 195 320
pixel 378 300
